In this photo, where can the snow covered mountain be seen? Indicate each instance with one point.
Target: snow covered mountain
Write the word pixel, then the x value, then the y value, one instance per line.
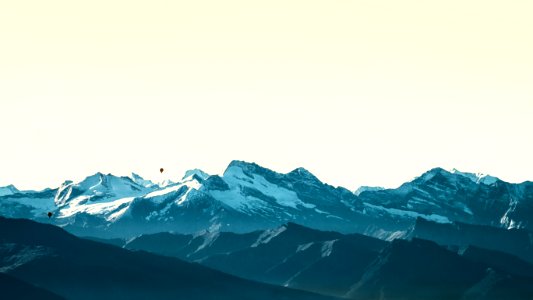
pixel 458 196
pixel 248 197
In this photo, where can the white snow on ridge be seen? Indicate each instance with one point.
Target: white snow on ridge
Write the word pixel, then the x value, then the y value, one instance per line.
pixel 235 177
pixel 268 235
pixel 367 188
pixel 98 208
pixel 141 181
pixel 236 200
pixel 190 184
pixel 304 247
pixel 164 191
pixel 327 248
pixel 409 214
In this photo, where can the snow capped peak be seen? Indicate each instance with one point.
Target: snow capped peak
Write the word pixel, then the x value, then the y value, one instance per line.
pixel 431 173
pixel 301 172
pixel 199 174
pixel 452 174
pixel 99 187
pixel 8 190
pixel 246 168
pixel 240 163
pixel 476 177
pixel 141 181
pixel 92 180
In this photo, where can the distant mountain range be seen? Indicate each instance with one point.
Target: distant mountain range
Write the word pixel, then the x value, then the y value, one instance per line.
pixel 248 197
pixel 253 233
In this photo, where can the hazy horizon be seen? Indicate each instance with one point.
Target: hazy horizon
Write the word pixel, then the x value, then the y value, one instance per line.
pixel 358 92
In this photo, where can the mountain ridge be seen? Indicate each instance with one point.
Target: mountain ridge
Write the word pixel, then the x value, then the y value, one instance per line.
pixel 248 197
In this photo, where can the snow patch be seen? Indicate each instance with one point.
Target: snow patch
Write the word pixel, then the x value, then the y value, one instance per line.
pixel 409 214
pixel 304 247
pixel 327 248
pixel 476 177
pixel 367 188
pixel 98 208
pixel 235 177
pixel 268 235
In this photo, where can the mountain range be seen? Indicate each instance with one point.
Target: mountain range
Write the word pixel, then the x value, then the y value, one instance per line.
pixel 253 233
pixel 249 197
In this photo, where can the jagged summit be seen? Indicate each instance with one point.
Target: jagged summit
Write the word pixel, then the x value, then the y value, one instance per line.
pixel 141 181
pixel 248 168
pixel 303 173
pixel 250 197
pixel 195 173
pixel 478 178
pixel 8 190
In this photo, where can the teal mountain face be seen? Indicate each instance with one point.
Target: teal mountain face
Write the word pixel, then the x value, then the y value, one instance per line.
pixel 248 197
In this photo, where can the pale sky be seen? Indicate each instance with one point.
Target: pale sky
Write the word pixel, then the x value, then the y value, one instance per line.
pixel 358 92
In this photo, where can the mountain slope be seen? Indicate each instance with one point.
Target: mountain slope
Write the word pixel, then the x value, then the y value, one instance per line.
pixel 335 264
pixel 48 257
pixel 419 269
pixel 462 197
pixel 8 190
pixel 290 255
pixel 12 288
pixel 248 197
pixel 518 242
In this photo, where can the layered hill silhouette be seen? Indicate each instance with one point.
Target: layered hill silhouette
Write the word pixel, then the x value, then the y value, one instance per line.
pixel 50 258
pixel 351 265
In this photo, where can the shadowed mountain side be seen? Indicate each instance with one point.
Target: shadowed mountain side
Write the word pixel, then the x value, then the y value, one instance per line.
pixel 12 288
pixel 334 264
pixel 419 269
pixel 290 255
pixel 498 260
pixel 83 269
pixel 518 242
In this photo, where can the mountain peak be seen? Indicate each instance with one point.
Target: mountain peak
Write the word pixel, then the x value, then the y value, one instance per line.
pixel 8 190
pixel 475 177
pixel 242 164
pixel 195 174
pixel 247 168
pixel 141 181
pixel 302 172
